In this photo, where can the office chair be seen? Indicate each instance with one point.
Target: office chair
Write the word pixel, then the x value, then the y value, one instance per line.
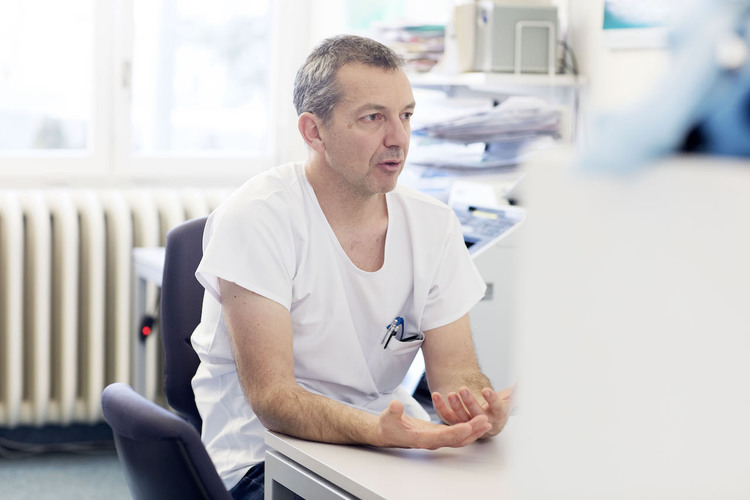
pixel 162 454
pixel 181 302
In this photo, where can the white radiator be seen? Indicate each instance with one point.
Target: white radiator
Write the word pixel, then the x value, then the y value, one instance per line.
pixel 66 290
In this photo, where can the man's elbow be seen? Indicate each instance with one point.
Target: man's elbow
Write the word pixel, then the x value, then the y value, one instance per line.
pixel 276 407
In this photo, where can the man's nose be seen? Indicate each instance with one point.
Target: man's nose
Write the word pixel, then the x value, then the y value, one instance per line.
pixel 398 133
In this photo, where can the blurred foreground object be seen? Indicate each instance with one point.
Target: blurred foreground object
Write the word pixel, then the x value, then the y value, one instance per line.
pixel 702 104
pixel 633 332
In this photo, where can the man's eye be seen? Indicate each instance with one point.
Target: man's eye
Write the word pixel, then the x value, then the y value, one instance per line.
pixel 407 116
pixel 372 117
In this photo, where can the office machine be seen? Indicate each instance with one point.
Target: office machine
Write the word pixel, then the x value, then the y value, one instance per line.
pixel 492 237
pixel 483 227
pixel 514 38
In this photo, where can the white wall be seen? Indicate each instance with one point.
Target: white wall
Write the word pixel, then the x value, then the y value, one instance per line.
pixel 616 77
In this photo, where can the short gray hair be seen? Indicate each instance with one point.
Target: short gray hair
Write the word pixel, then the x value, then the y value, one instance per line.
pixel 316 87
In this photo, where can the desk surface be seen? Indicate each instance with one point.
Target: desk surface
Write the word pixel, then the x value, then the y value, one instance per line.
pixel 149 263
pixel 475 471
pixel 148 266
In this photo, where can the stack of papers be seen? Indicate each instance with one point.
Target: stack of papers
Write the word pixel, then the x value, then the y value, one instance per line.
pixel 514 120
pixel 475 156
pixel 497 137
pixel 421 45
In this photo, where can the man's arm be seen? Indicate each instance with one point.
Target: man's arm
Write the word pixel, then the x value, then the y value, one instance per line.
pixel 460 391
pixel 261 334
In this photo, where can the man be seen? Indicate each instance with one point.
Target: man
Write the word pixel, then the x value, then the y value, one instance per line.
pixel 324 280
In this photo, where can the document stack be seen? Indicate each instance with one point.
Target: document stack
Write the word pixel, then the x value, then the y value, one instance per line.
pixel 421 45
pixel 497 137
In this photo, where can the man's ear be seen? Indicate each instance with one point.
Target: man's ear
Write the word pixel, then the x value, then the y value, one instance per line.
pixel 309 127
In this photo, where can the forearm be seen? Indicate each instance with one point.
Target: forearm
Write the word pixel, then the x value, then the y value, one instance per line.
pixel 450 359
pixel 472 378
pixel 300 413
pixel 295 411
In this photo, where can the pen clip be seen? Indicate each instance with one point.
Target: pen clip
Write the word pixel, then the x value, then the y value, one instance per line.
pixel 396 326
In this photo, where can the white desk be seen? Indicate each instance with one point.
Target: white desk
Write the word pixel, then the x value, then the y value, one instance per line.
pixel 325 471
pixel 148 266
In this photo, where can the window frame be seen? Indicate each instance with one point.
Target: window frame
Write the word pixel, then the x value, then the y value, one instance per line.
pixel 54 164
pixel 109 155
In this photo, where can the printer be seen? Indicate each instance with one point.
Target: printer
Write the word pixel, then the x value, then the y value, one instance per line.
pixel 505 37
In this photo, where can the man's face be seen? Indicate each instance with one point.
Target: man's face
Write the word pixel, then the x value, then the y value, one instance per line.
pixel 367 139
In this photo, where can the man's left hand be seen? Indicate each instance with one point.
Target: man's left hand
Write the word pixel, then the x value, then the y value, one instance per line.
pixel 462 406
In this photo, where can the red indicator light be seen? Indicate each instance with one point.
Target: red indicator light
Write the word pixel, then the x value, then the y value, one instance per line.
pixel 147 326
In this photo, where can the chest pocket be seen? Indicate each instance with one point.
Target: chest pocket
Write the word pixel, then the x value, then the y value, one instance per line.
pixel 392 362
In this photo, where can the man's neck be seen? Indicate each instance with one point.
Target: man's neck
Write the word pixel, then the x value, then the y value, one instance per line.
pixel 359 222
pixel 344 207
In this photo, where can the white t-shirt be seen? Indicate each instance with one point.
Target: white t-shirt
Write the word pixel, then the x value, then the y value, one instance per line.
pixel 271 237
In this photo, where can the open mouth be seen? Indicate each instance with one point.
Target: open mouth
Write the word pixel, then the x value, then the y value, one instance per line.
pixel 390 164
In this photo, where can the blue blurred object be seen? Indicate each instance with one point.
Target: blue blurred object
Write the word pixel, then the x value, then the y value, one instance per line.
pixel 702 104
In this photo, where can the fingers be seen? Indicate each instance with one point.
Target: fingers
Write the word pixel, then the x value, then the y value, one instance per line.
pixel 490 396
pixel 459 407
pixel 502 401
pixel 455 436
pixel 396 408
pixel 398 429
pixel 470 402
pixel 443 410
pixel 506 393
pixel 393 413
pixel 464 406
pixel 465 433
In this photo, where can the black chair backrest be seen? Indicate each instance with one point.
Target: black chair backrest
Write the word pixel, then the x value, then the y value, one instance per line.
pixel 181 303
pixel 162 455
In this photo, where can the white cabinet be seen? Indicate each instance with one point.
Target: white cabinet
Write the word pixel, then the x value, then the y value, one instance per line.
pixel 492 319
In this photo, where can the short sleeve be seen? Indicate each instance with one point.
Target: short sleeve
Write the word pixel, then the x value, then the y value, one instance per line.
pixel 456 286
pixel 249 243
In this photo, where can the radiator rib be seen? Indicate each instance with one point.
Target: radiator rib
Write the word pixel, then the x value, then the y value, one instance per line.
pixel 37 295
pixel 119 243
pixel 65 273
pixel 91 304
pixel 11 307
pixel 66 317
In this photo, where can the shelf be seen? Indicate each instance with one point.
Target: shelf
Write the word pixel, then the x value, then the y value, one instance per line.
pixel 561 90
pixel 496 81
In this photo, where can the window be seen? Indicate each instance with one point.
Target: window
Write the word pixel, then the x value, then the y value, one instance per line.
pixel 46 49
pixel 200 76
pixel 147 87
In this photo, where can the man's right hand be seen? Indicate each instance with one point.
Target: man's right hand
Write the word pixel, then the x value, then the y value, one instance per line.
pixel 398 430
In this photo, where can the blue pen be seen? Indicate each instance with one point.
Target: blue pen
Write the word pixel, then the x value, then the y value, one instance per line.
pixel 395 328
